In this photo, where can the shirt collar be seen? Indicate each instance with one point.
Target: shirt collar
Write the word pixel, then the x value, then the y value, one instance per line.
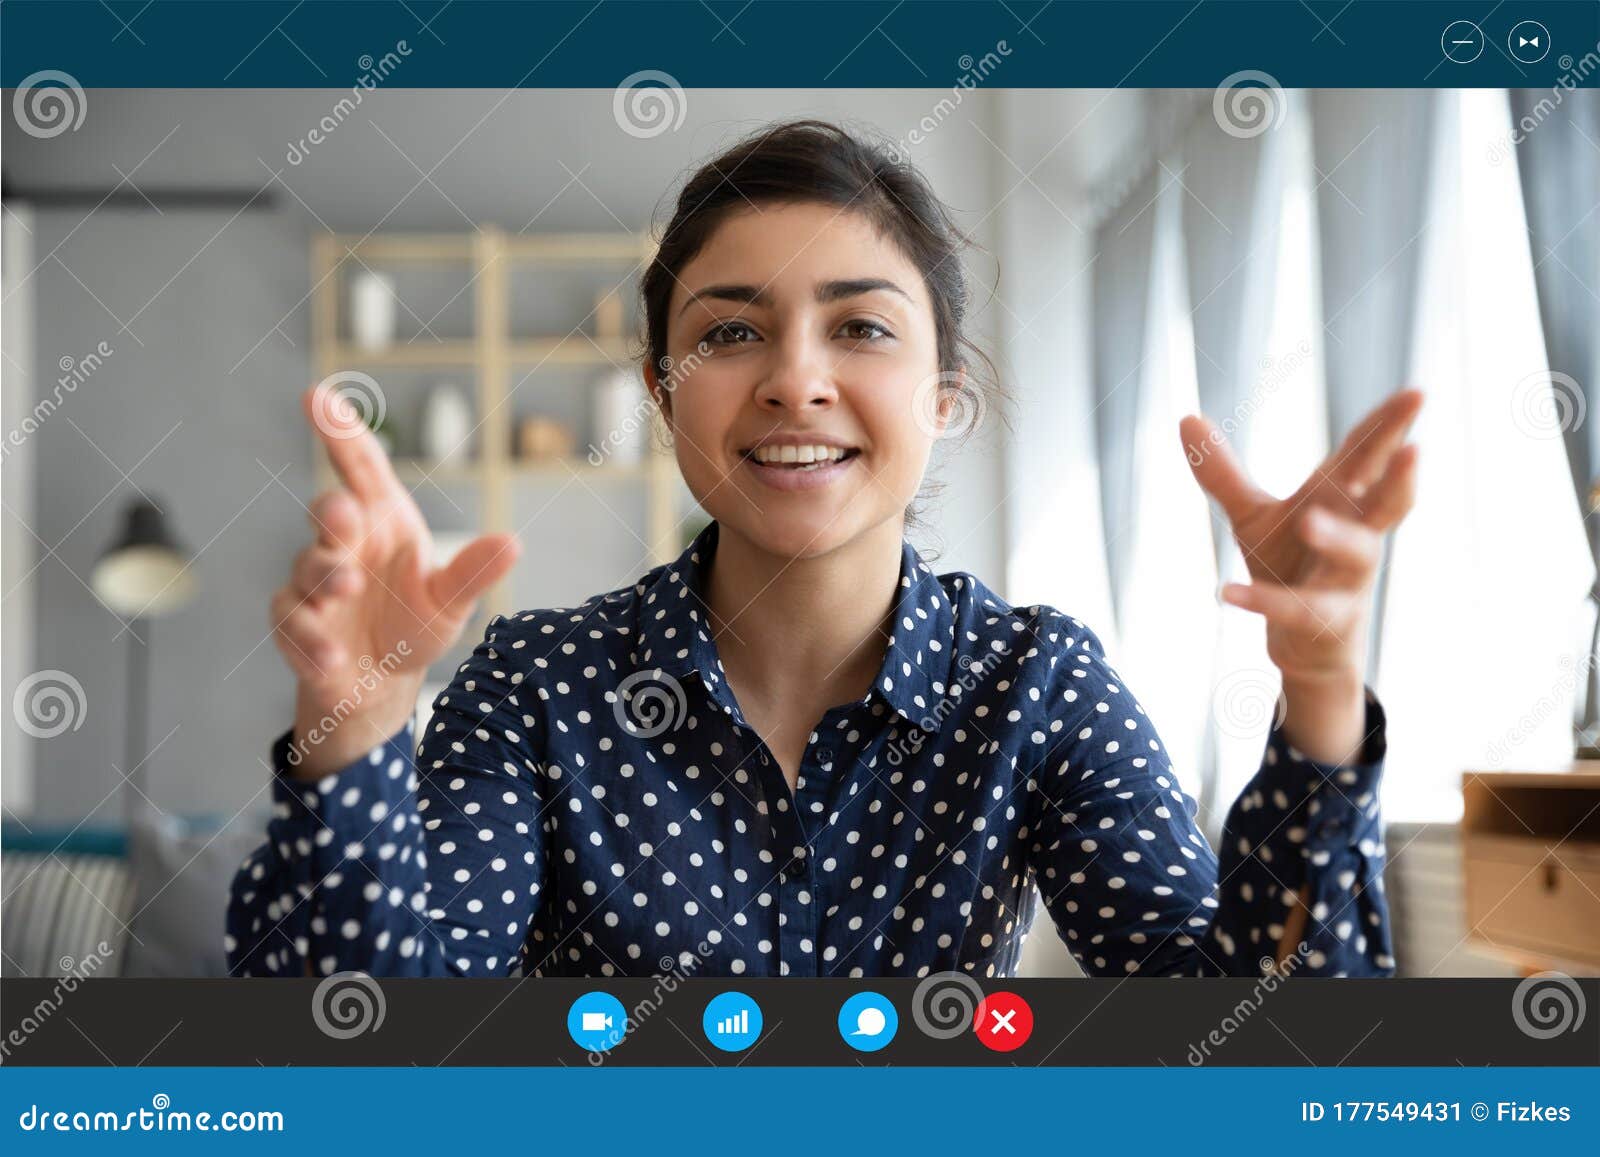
pixel 674 635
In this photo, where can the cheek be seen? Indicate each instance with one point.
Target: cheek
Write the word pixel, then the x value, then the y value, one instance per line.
pixel 702 416
pixel 900 445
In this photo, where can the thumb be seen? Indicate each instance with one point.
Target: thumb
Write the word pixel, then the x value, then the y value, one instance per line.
pixel 1216 468
pixel 476 567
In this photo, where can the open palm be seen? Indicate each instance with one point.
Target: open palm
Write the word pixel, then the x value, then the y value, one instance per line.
pixel 1313 556
pixel 365 593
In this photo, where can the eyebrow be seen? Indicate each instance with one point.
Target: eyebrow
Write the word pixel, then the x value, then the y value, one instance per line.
pixel 827 292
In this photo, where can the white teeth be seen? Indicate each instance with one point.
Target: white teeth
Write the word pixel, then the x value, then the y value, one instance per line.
pixel 798 455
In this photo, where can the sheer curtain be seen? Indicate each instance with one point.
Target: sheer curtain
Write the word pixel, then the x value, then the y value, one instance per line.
pixel 1558 158
pixel 1372 155
pixel 1393 250
pixel 1121 289
pixel 1284 412
pixel 1169 604
pixel 1492 565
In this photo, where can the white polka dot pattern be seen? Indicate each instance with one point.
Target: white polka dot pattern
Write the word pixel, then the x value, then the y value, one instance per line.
pixel 588 799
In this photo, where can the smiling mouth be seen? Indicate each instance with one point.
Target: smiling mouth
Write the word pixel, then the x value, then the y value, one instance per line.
pixel 799 459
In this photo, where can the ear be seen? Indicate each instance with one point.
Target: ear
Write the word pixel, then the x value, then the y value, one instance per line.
pixel 661 395
pixel 954 386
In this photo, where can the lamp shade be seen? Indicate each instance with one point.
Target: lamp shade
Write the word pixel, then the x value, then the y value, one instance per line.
pixel 144 572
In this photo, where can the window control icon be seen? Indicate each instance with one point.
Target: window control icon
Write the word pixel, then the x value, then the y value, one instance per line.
pixel 1462 42
pixel 1529 42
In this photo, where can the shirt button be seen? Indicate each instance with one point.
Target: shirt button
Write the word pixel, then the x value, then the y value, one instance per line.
pixel 825 754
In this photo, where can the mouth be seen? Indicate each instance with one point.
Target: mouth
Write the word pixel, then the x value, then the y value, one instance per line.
pixel 799 458
pixel 800 465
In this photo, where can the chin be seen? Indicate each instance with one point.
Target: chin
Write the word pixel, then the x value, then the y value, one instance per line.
pixel 797 532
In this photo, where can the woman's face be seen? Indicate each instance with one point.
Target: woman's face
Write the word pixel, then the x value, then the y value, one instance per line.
pixel 803 350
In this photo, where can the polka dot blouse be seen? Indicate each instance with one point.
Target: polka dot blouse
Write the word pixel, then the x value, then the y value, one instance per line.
pixel 588 799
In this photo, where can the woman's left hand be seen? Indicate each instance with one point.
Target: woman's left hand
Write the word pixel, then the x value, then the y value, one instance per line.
pixel 1313 557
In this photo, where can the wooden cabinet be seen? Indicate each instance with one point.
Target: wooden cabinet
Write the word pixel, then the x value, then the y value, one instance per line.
pixel 1531 856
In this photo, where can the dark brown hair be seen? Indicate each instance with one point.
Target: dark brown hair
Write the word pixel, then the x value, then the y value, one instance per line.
pixel 813 161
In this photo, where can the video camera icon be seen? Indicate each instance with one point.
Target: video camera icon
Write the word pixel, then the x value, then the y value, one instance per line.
pixel 597 1022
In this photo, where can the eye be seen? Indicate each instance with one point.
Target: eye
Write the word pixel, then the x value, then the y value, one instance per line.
pixel 862 330
pixel 728 333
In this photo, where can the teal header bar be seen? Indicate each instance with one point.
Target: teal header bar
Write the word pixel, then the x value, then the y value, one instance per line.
pixel 801 43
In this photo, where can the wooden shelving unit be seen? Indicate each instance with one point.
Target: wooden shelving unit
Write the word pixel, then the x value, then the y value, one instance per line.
pixel 498 359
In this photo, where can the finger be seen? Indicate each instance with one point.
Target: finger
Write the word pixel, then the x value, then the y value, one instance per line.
pixel 326 572
pixel 1392 497
pixel 476 567
pixel 353 449
pixel 301 635
pixel 1353 548
pixel 1217 469
pixel 337 518
pixel 1306 611
pixel 1365 452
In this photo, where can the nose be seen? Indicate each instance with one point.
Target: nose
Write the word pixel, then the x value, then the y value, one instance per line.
pixel 799 378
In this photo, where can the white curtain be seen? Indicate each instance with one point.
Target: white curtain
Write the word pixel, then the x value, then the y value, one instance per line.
pixel 1557 137
pixel 1372 150
pixel 1490 570
pixel 1119 309
pixel 1233 187
pixel 1233 190
pixel 1372 240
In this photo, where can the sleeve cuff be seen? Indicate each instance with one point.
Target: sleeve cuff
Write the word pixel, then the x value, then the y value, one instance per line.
pixel 1339 802
pixel 380 777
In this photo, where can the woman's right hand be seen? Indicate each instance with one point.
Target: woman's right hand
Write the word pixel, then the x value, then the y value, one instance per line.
pixel 365 611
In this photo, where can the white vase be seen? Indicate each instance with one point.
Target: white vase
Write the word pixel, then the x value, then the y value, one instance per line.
pixel 446 426
pixel 372 307
pixel 622 414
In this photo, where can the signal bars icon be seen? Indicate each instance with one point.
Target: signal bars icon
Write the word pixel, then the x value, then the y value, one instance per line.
pixel 737 1025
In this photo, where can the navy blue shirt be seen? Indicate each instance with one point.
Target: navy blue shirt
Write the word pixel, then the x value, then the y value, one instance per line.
pixel 588 799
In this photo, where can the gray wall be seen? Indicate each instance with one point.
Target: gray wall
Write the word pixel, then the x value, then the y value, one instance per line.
pixel 230 432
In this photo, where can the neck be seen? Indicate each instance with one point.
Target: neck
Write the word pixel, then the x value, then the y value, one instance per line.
pixel 809 630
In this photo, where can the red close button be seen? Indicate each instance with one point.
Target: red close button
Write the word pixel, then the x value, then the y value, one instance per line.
pixel 1003 1021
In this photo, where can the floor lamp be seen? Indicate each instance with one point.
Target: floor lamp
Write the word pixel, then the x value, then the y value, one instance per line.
pixel 144 574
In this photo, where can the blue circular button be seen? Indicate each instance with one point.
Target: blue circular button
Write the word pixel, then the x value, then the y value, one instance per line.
pixel 597 1021
pixel 867 1021
pixel 732 1022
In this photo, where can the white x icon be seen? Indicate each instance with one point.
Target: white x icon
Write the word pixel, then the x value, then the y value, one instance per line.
pixel 1001 1021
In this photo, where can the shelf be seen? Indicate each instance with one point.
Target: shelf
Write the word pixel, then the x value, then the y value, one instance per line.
pixel 408 246
pixel 572 351
pixel 494 360
pixel 419 354
pixel 561 467
pixel 578 247
pixel 415 471
pixel 563 351
pixel 583 247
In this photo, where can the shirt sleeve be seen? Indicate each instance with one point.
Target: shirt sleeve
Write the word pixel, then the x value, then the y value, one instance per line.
pixel 1133 886
pixel 400 867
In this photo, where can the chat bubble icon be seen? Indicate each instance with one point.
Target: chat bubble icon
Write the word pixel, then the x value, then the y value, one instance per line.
pixel 870 1021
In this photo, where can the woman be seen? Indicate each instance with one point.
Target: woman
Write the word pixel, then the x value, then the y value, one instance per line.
pixel 795 750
